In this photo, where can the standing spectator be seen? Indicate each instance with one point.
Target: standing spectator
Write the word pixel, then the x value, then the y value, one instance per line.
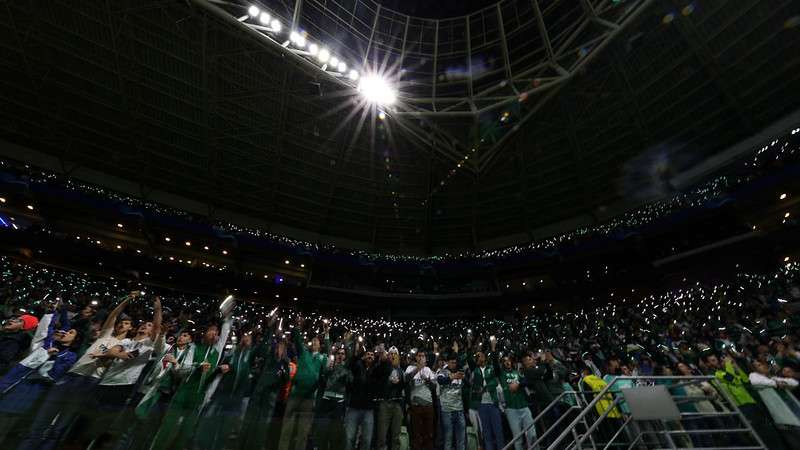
pixel 451 383
pixel 330 411
pixel 272 372
pixel 183 412
pixel 24 384
pixel 115 391
pixel 299 414
pixel 519 417
pixel 228 402
pixel 483 397
pixel 66 401
pixel 782 407
pixel 390 409
pixel 736 382
pixel 367 380
pixel 15 338
pixel 421 379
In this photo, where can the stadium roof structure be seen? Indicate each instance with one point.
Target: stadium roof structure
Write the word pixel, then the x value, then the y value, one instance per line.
pixel 512 122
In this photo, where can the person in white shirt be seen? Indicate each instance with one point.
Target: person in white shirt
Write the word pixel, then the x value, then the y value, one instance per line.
pixel 70 398
pixel 115 392
pixel 421 380
pixel 774 392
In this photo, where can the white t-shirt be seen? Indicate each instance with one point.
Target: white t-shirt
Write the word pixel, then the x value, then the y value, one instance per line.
pixel 96 367
pixel 127 371
pixel 420 392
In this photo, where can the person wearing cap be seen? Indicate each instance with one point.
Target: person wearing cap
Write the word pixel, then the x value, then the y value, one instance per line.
pixel 53 354
pixel 66 402
pixel 15 338
pixel 391 401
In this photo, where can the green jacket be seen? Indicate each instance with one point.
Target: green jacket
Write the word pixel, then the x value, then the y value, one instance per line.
pixel 514 400
pixel 192 391
pixel 309 369
pixel 482 382
pixel 735 382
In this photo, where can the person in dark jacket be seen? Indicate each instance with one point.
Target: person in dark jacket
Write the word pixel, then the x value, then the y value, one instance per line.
pixel 330 410
pixel 367 381
pixel 271 370
pixel 26 382
pixel 15 338
pixel 391 403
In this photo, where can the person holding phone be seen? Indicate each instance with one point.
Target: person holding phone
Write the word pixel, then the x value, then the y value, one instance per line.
pixel 451 382
pixel 115 393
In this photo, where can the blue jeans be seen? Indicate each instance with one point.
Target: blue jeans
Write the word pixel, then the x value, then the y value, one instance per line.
pixel 519 420
pixel 492 426
pixel 352 420
pixel 455 429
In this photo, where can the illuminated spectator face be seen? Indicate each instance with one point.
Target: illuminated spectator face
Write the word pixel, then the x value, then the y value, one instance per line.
pixel 145 328
pixel 123 326
pixel 340 355
pixel 247 340
pixel 184 339
pixel 211 334
pixel 369 357
pixel 65 337
pixel 452 364
pixel 315 345
pixel 480 357
pixel 527 361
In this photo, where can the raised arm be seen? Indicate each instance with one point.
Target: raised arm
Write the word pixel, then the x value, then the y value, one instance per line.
pixel 112 316
pixel 157 319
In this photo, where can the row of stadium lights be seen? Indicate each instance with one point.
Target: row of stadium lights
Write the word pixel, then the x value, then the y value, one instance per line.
pixel 322 54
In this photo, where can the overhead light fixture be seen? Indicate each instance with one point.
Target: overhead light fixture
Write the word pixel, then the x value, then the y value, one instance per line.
pixel 30 207
pixel 2 199
pixel 334 61
pixel 783 197
pixel 353 75
pixel 275 25
pixel 324 55
pixel 313 49
pixel 119 225
pixel 188 243
pixel 377 90
pixel 253 11
pixel 297 39
pixel 264 18
pixel 341 66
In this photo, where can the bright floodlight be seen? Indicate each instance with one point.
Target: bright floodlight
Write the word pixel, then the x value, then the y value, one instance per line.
pixel 298 39
pixel 264 18
pixel 313 49
pixel 324 55
pixel 353 74
pixel 377 90
pixel 253 11
pixel 341 67
pixel 275 25
pixel 334 61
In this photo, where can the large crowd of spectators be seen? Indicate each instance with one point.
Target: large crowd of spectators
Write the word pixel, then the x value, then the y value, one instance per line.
pixel 98 362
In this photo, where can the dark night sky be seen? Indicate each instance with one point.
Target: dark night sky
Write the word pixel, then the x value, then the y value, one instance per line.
pixel 438 9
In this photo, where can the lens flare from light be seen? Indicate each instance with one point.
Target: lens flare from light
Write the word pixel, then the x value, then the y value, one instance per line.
pixel 377 90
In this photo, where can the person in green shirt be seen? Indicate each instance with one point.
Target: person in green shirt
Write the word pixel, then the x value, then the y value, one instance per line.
pixel 183 412
pixel 299 414
pixel 520 419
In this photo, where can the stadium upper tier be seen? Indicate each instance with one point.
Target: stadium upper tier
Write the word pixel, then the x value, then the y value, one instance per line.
pixel 349 122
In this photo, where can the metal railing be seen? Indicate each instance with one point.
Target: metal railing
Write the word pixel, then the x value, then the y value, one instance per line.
pixel 736 430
